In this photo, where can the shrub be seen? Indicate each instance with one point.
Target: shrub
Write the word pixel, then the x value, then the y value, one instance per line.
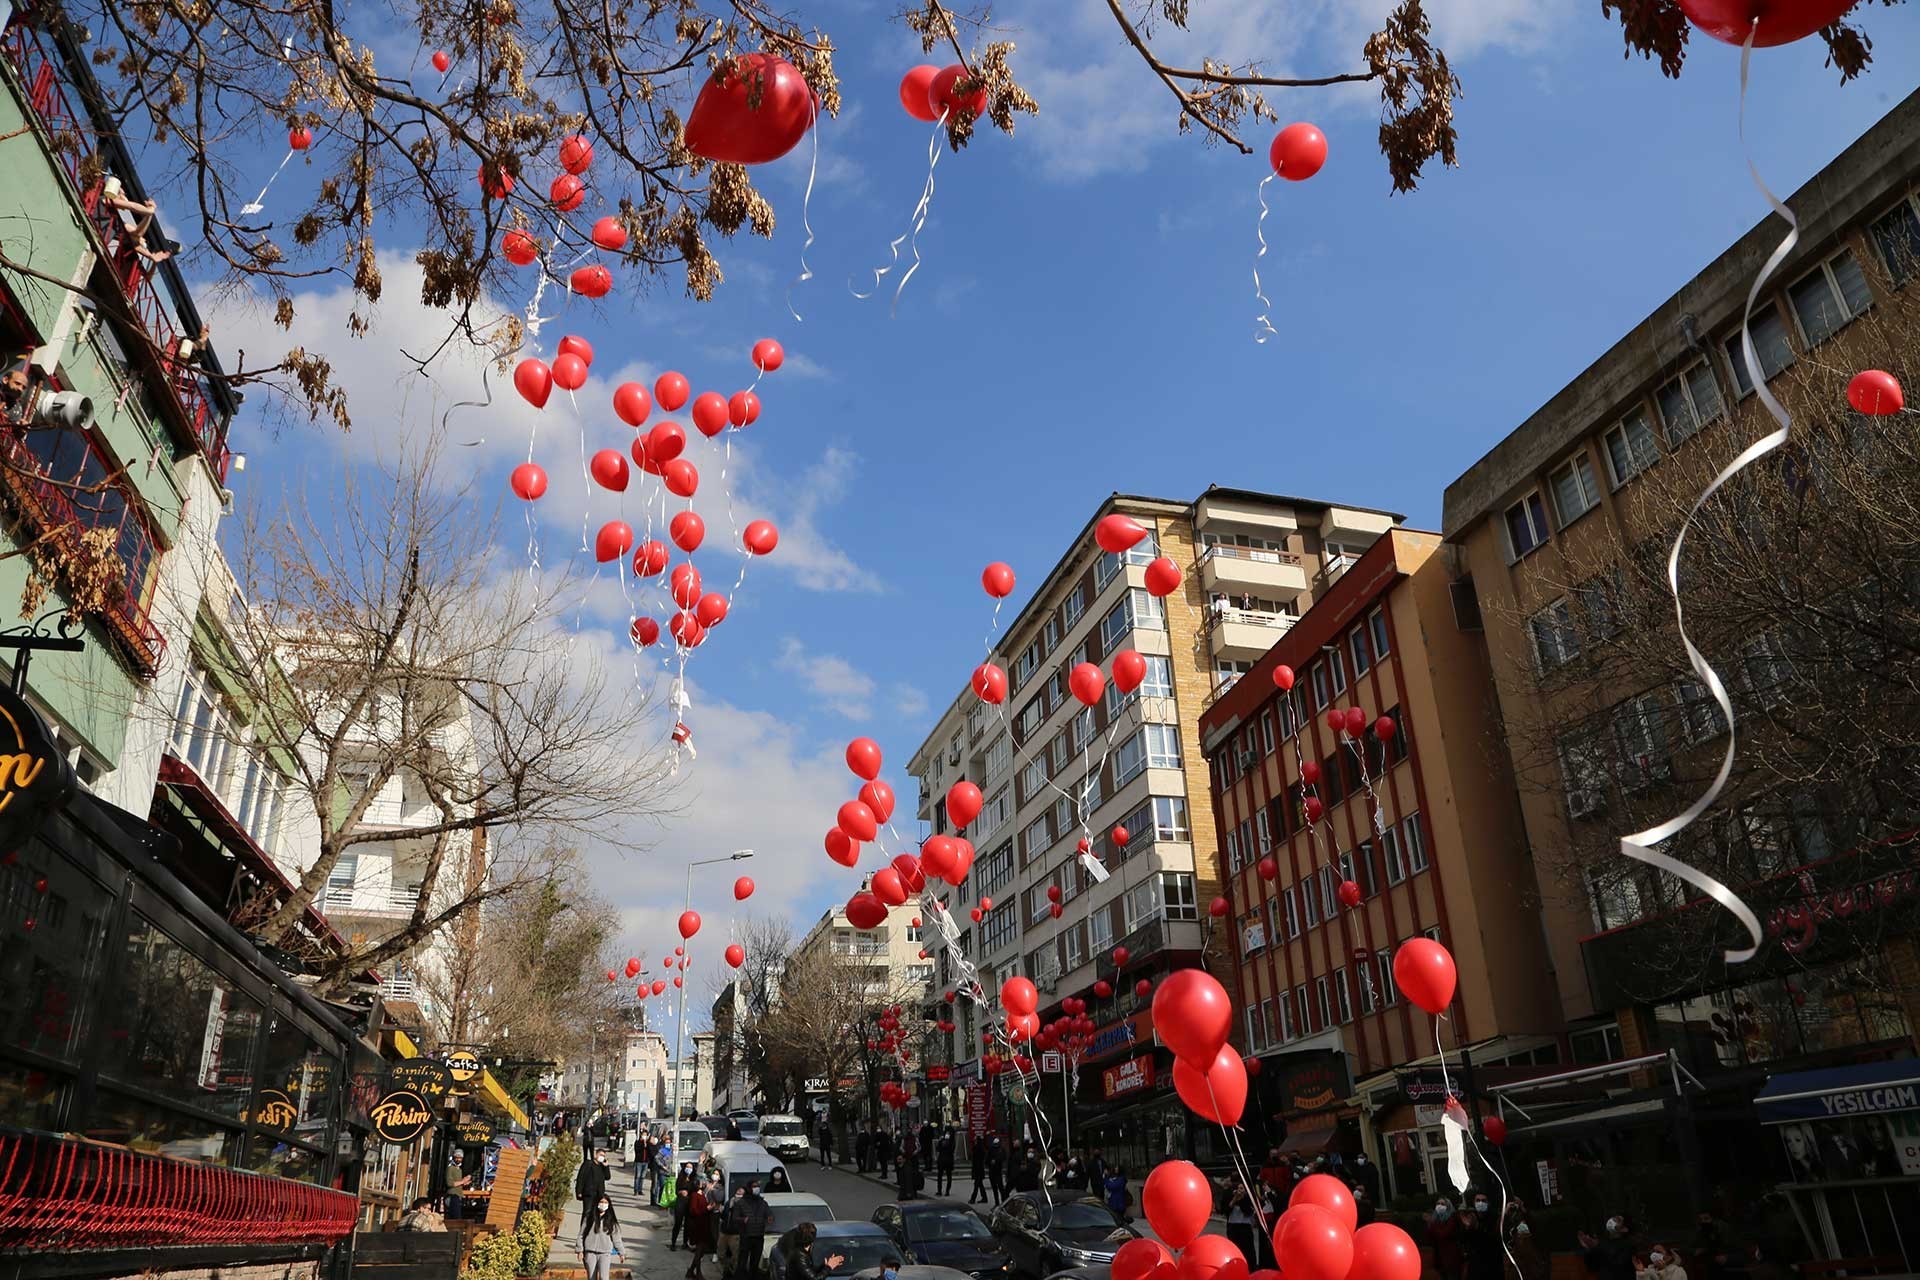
pixel 535 1239
pixel 561 1160
pixel 494 1257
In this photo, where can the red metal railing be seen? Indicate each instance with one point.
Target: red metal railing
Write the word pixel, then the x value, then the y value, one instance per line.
pixel 47 95
pixel 47 506
pixel 65 1193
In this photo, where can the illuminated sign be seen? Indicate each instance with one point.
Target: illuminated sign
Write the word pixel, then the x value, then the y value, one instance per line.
pixel 1128 1076
pixel 463 1066
pixel 276 1110
pixel 400 1116
pixel 35 778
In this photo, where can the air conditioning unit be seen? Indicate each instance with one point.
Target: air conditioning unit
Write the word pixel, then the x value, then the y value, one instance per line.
pixel 1249 761
pixel 67 409
pixel 953 755
pixel 1585 802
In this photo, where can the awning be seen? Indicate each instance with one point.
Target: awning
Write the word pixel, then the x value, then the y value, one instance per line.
pixel 1308 1137
pixel 1601 1115
pixel 1867 1088
pixel 490 1093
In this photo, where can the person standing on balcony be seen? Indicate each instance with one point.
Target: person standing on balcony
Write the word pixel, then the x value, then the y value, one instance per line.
pixel 17 386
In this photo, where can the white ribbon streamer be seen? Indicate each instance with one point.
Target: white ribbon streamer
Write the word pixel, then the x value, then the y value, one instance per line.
pixel 1263 325
pixel 912 233
pixel 259 202
pixel 806 272
pixel 1640 845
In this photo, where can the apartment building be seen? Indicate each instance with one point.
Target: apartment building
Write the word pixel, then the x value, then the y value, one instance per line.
pixel 1253 564
pixel 888 954
pixel 1558 540
pixel 1424 823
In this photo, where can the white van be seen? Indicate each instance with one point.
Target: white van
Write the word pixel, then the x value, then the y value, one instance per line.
pixel 784 1136
pixel 742 1163
pixel 687 1140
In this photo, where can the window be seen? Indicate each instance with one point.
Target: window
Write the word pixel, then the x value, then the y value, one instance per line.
pixel 1309 903
pixel 1155 746
pixel 1137 610
pixel 1266 733
pixel 1035 838
pixel 1262 834
pixel 1770 345
pixel 1256 1028
pixel 1100 930
pixel 1526 525
pixel 1343 1001
pixel 1033 777
pixel 1291 911
pixel 1556 642
pixel 1076 604
pixel 1600 604
pixel 1031 717
pixel 1325 1004
pixel 1001 928
pixel 1377 624
pixel 1337 665
pixel 1361 861
pixel 1828 296
pixel 1177 895
pixel 1306 1010
pixel 1329 900
pixel 1145 551
pixel 102 501
pixel 1641 735
pixel 1233 852
pixel 1159 681
pixel 1082 728
pixel 999 760
pixel 1896 234
pixel 1056 691
pixel 994 870
pixel 340 882
pixel 1142 904
pixel 1050 635
pixel 1574 491
pixel 1700 716
pixel 1413 842
pixel 1689 401
pixel 1023 669
pixel 1631 447
pixel 1390 847
pixel 1284 1005
pixel 1363 979
pixel 1383 962
pixel 1063 814
pixel 1170 818
pixel 1616 895
pixel 1769 674
pixel 1321 694
pixel 1362 657
pixel 1076 949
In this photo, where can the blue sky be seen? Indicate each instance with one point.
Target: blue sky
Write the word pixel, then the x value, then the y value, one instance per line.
pixel 1083 323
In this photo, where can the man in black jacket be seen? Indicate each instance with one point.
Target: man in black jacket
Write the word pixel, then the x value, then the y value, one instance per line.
pixel 862 1140
pixel 591 1181
pixel 977 1165
pixel 795 1248
pixel 749 1217
pixel 943 1163
pixel 997 1168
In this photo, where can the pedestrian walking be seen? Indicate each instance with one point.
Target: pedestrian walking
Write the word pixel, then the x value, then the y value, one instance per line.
pixel 977 1166
pixel 753 1218
pixel 997 1168
pixel 700 1215
pixel 642 1157
pixel 826 1146
pixel 909 1165
pixel 662 1169
pixel 591 1182
pixel 683 1188
pixel 599 1238
pixel 943 1162
pixel 862 1144
pixel 883 1151
pixel 1118 1197
pixel 728 1254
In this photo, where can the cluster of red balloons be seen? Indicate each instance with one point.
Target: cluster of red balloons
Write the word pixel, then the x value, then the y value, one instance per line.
pixel 755 107
pixel 928 92
pixel 893 1095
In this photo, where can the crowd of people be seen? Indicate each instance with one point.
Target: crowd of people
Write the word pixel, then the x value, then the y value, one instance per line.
pixel 998 1166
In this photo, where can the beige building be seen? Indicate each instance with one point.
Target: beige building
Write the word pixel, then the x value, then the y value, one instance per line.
pixel 1052 770
pixel 889 952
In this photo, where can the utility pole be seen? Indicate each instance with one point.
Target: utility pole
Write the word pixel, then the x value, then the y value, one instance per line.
pixel 680 1019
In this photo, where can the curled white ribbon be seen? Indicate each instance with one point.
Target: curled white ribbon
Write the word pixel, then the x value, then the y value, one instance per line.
pixel 1263 325
pixel 259 202
pixel 1640 844
pixel 806 201
pixel 912 233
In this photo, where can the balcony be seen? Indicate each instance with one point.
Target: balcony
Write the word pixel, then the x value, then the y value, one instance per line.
pixel 1245 634
pixel 1356 529
pixel 1331 570
pixel 1251 570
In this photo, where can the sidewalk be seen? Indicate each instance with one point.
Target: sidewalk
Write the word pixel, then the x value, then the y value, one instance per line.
pixel 643 1237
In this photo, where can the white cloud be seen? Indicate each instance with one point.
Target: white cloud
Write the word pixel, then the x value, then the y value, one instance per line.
pixel 908 701
pixel 838 685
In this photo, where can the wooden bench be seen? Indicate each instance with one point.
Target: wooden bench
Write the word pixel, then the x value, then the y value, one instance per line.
pixel 406 1255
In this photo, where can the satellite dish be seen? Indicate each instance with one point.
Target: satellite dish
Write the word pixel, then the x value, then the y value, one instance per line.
pixel 64 409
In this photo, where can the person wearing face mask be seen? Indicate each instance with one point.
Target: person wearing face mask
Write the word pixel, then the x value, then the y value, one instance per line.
pixel 1363 1210
pixel 1362 1173
pixel 1528 1262
pixel 1662 1264
pixel 1710 1256
pixel 599 1239
pixel 700 1215
pixel 750 1217
pixel 1480 1238
pixel 1443 1237
pixel 1611 1257
pixel 683 1186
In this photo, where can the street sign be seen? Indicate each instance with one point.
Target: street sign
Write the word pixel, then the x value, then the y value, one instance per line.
pixel 1052 1060
pixel 816 1084
pixel 977 1108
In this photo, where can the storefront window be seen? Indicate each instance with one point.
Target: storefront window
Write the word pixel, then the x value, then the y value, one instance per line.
pixel 1832 1007
pixel 29 1098
pixel 294 1067
pixel 284 1160
pixel 150 1127
pixel 48 964
pixel 177 1029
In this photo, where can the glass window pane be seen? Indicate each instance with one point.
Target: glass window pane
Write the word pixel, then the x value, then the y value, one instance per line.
pixel 148 1127
pixel 1705 390
pixel 1853 283
pixel 1817 306
pixel 1898 237
pixel 48 969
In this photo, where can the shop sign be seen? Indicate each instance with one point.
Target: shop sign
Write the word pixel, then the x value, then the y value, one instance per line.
pixel 1122 1035
pixel 400 1116
pixel 816 1084
pixel 1549 1182
pixel 967 1072
pixel 276 1110
pixel 1053 1061
pixel 463 1066
pixel 939 1075
pixel 1424 1086
pixel 35 778
pixel 1127 1077
pixel 979 1111
pixel 475 1131
pixel 1312 1081
pixel 428 1078
pixel 1429 1115
pixel 1797 924
pixel 1904 1129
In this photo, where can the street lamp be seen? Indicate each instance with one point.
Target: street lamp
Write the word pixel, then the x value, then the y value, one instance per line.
pixel 680 1019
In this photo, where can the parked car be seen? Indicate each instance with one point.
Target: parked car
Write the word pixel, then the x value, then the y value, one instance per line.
pixel 945 1233
pixel 1044 1236
pixel 745 1124
pixel 687 1140
pixel 785 1136
pixel 914 1271
pixel 720 1126
pixel 860 1246
pixel 789 1210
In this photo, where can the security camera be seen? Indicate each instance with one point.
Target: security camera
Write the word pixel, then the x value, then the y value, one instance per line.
pixel 226 502
pixel 64 409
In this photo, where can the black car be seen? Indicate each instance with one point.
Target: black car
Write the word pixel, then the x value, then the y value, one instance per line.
pixel 720 1127
pixel 860 1246
pixel 945 1233
pixel 1044 1236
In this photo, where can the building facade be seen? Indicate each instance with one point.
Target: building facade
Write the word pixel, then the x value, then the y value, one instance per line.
pixel 1424 824
pixel 1054 772
pixel 1558 539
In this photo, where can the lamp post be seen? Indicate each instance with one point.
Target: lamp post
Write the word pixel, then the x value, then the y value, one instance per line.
pixel 680 1018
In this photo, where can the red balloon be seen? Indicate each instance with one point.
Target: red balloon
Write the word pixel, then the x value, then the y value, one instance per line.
pixel 1268 868
pixel 633 967
pixel 915 88
pixel 943 96
pixel 1163 577
pixel 1382 1251
pixel 1053 893
pixel 1330 1194
pixel 609 469
pixel 1120 956
pixel 1055 910
pixel 1211 1256
pixel 857 821
pixel 710 413
pixel 611 976
pixel 938 855
pixel 1314 808
pixel 686 528
pixel 1310 772
pixel 962 861
pixel 671 390
pixel 299 138
pixel 736 955
pixel 1143 988
pixel 1356 722
pixel 1117 533
pixel 1311 1243
pixel 997 578
pixel 534 381
pixel 712 609
pixel 576 153
pixel 743 408
pixel 569 371
pixel 761 537
pixel 1772 22
pixel 1252 1065
pixel 887 887
pixel 1875 392
pixel 1336 720
pixel 1283 676
pixel 1129 669
pixel 1138 1259
pixel 842 848
pixel 644 631
pixel 681 477
pixel 1383 728
pixel 1087 683
pixel 610 233
pixel 1219 1093
pixel 990 683
pixel 1120 836
pixel 567 193
pixel 1495 1127
pixel 1019 995
pixel 1192 1014
pixel 529 481
pixel 742 888
pixel 878 796
pixel 908 868
pixel 1219 908
pixel 521 249
pixel 573 344
pixel 650 559
pixel 593 281
pixel 863 757
pixel 1424 971
pixel 768 355
pixel 665 443
pixel 496 183
pixel 686 629
pixel 963 803
pixel 864 911
pixel 1350 894
pixel 684 585
pixel 689 925
pixel 441 61
pixel 1297 152
pixel 659 986
pixel 1177 1197
pixel 614 540
pixel 754 108
pixel 631 403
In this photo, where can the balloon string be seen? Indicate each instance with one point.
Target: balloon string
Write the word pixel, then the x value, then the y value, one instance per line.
pixel 1640 845
pixel 916 221
pixel 1263 325
pixel 1466 1129
pixel 258 204
pixel 806 272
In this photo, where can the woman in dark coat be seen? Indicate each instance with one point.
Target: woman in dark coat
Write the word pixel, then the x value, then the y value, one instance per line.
pixel 699 1229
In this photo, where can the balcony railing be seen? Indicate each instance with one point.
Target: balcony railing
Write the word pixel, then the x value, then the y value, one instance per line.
pixel 46 95
pixel 1223 615
pixel 61 1195
pixel 1255 555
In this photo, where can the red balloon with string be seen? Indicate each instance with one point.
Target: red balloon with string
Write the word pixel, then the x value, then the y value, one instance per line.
pixel 1297 152
pixel 684 585
pixel 529 481
pixel 963 803
pixel 768 355
pixel 1118 533
pixel 754 108
pixel 1382 1251
pixel 569 371
pixel 1424 971
pixel 710 413
pixel 1129 669
pixel 712 609
pixel 686 528
pixel 1212 1257
pixel 1876 393
pixel 1163 577
pixel 997 580
pixel 644 631
pixel 576 154
pixel 857 821
pixel 614 540
pixel 1495 1127
pixel 1356 722
pixel 1312 1243
pixel 567 193
pixel 665 442
pixel 441 61
pixel 1219 908
pixel 1087 683
pixel 1219 1093
pixel 520 248
pixel 990 683
pixel 915 92
pixel 631 403
pixel 609 470
pixel 842 848
pixel 299 138
pixel 681 477
pixel 863 758
pixel 591 282
pixel 760 537
pixel 736 955
pixel 944 94
pixel 650 558
pixel 1771 22
pixel 1283 677
pixel 671 390
pixel 1178 1200
pixel 534 381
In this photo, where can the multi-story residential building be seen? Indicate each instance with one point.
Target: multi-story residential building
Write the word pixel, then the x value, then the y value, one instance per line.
pixel 1559 538
pixel 645 1069
pixel 1423 823
pixel 888 954
pixel 1054 772
pixel 687 1085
